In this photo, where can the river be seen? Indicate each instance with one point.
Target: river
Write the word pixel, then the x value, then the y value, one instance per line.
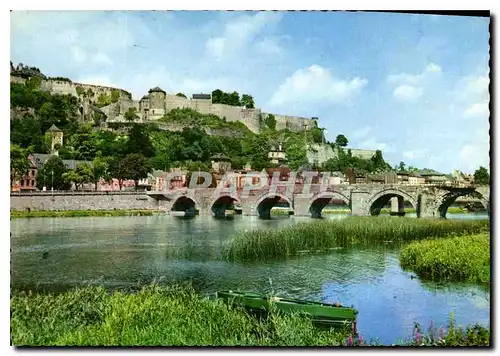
pixel 131 251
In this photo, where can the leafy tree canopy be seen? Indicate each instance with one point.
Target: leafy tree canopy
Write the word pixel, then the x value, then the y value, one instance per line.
pixel 481 176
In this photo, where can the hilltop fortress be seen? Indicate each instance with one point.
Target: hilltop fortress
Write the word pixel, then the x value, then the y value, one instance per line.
pixel 152 106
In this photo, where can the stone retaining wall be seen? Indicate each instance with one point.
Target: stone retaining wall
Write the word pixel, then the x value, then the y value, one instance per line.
pixel 83 202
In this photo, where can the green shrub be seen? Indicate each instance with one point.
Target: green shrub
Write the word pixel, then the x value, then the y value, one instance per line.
pixel 462 258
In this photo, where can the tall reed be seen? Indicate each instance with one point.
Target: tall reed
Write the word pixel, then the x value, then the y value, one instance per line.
pixel 462 258
pixel 324 234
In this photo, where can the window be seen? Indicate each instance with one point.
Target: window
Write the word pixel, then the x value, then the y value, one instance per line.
pixel 22 182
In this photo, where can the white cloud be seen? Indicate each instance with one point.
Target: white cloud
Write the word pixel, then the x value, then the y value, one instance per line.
pixel 417 153
pixel 475 153
pixel 361 132
pixel 240 32
pixel 405 78
pixel 104 81
pixel 373 144
pixel 313 85
pixel 408 93
pixel 78 54
pixel 476 86
pixel 101 58
pixel 478 110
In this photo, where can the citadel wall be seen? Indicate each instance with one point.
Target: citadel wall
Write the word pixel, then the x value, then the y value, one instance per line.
pixel 160 104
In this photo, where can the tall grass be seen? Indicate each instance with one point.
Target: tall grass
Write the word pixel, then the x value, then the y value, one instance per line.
pixel 324 234
pixel 78 213
pixel 155 316
pixel 451 210
pixel 462 258
pixel 177 316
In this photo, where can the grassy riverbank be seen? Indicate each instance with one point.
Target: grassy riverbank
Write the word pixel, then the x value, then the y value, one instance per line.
pixel 322 235
pixel 461 258
pixel 177 316
pixel 78 213
pixel 451 210
pixel 154 316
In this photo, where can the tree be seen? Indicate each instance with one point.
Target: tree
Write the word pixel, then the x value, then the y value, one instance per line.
pixel 19 163
pixel 379 164
pixel 134 166
pixel 481 176
pixel 270 121
pixel 247 101
pixel 100 166
pixel 81 175
pixel 84 143
pixel 234 99
pixel 401 166
pixel 217 95
pixel 51 174
pixel 139 141
pixel 131 114
pixel 115 95
pixel 341 141
pixel 182 95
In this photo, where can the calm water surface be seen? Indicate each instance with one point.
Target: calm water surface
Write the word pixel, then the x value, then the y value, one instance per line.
pixel 130 251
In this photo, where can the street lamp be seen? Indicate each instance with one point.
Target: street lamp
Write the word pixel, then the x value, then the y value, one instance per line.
pixel 52 186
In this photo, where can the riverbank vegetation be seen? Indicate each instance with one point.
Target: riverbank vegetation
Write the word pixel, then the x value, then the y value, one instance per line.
pixel 78 213
pixel 460 258
pixel 451 210
pixel 155 316
pixel 322 235
pixel 177 316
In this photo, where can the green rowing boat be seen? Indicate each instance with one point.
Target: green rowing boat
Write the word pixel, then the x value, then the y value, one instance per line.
pixel 322 313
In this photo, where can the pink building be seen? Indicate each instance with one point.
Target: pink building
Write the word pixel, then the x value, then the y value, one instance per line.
pixel 114 185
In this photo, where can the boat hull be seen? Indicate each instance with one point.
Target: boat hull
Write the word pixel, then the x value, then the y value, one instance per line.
pixel 320 313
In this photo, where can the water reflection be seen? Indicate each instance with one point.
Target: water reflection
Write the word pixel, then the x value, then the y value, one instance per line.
pixel 131 251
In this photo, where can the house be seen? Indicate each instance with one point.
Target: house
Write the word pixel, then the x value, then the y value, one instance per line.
pixel 336 178
pixel 41 158
pixel 220 163
pixel 376 178
pixel 28 182
pixel 283 173
pixel 416 179
pixel 433 177
pixel 462 179
pixel 277 155
pixel 176 176
pixel 355 177
pixel 114 185
pixel 403 177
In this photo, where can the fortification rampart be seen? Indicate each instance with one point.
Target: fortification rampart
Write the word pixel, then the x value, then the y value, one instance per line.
pixel 89 95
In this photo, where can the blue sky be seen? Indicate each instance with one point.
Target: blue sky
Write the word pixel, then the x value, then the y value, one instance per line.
pixel 414 86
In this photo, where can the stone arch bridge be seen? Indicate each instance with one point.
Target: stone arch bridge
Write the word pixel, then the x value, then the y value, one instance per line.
pixel 362 199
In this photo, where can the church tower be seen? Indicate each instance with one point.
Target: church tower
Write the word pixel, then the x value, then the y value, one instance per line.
pixel 56 138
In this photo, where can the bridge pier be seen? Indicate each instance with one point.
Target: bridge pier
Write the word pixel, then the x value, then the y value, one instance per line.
pixel 397 205
pixel 428 206
pixel 359 203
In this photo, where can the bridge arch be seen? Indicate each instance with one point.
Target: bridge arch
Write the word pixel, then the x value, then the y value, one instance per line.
pixel 382 198
pixel 449 198
pixel 319 201
pixel 265 203
pixel 222 203
pixel 186 204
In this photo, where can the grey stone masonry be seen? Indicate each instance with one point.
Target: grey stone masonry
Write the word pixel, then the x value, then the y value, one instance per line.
pixel 362 199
